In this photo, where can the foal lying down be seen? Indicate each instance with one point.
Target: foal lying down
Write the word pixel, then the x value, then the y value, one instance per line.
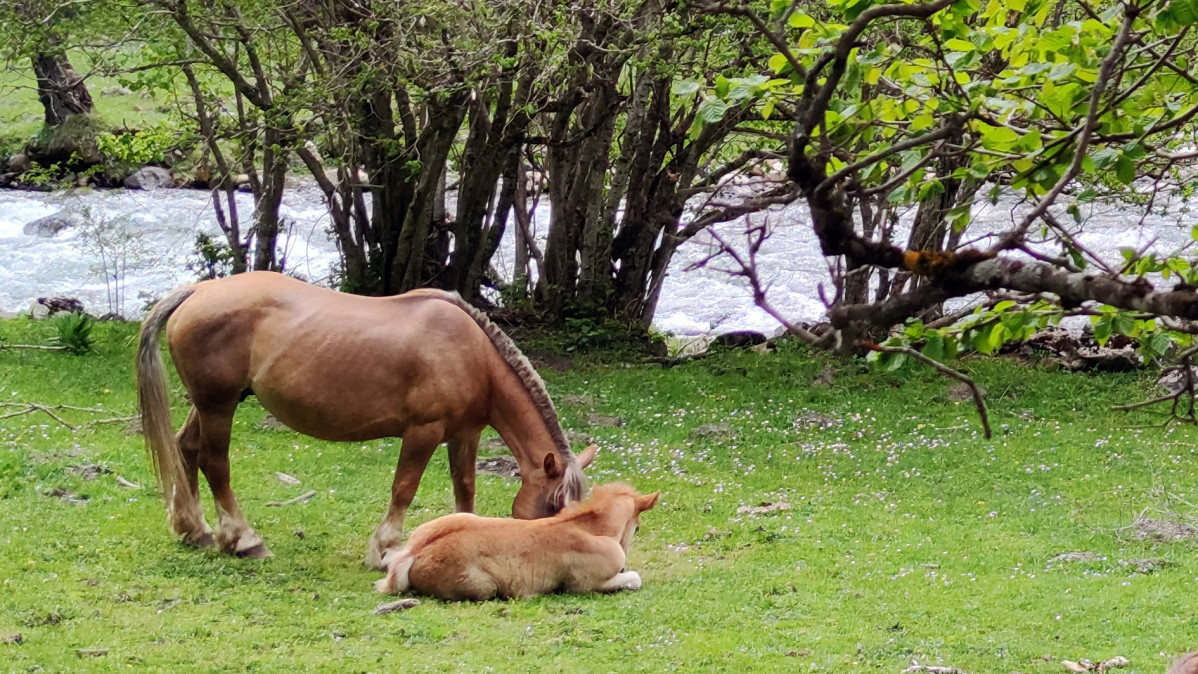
pixel 467 557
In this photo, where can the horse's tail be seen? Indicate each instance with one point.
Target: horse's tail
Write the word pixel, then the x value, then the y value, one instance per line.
pixel 153 397
pixel 396 580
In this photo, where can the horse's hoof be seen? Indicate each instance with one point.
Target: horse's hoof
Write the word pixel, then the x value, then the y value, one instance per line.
pixel 204 540
pixel 258 551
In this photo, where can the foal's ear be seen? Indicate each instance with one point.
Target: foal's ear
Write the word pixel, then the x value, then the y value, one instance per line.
pixel 647 501
pixel 552 469
pixel 587 456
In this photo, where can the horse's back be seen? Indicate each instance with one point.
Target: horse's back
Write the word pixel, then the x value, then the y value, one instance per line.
pixel 333 365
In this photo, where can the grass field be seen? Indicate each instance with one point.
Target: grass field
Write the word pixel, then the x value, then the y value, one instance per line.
pixel 908 537
pixel 21 114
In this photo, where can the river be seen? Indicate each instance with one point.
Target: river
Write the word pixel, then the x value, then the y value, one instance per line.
pixel 699 302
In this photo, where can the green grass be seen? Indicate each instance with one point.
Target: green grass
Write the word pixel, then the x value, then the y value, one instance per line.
pixel 21 114
pixel 908 536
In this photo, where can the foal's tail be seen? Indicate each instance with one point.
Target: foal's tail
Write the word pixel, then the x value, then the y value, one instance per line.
pixel 154 398
pixel 398 567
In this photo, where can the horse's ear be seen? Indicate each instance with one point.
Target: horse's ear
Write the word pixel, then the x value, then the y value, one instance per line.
pixel 647 501
pixel 587 456
pixel 552 470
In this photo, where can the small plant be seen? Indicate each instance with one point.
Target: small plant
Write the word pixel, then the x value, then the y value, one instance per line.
pixel 74 333
pixel 117 249
pixel 212 259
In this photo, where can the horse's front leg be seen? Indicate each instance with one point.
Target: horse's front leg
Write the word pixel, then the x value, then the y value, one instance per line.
pixel 463 458
pixel 234 533
pixel 419 443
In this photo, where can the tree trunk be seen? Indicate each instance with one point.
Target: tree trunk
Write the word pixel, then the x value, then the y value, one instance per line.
pixel 60 89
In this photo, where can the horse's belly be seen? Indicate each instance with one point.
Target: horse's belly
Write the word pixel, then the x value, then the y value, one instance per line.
pixel 332 420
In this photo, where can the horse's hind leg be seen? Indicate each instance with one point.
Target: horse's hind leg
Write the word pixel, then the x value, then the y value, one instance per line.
pixel 419 443
pixel 187 517
pixel 463 455
pixel 233 531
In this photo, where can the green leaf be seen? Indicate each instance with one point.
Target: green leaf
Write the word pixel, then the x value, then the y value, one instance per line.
pixel 800 20
pixel 684 87
pixel 778 63
pixel 934 346
pixel 999 138
pixel 1125 170
pixel 959 45
pixel 711 111
pixel 1102 328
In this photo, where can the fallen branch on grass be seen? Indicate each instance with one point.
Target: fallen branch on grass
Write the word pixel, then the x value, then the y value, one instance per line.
pixel 393 606
pixel 944 370
pixel 113 420
pixel 29 408
pixel 297 499
pixel 127 484
pixel 32 346
pixel 1186 390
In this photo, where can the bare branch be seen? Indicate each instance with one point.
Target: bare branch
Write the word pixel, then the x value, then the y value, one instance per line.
pixel 946 371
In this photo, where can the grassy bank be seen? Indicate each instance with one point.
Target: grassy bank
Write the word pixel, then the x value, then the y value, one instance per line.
pixel 21 114
pixel 907 537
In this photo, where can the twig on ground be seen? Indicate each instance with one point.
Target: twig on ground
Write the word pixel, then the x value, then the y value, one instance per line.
pixel 33 407
pixel 1187 391
pixel 302 497
pixel 127 484
pixel 32 346
pixel 944 370
pixel 393 606
pixel 113 420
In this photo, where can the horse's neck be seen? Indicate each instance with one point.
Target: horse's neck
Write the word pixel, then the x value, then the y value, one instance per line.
pixel 518 421
pixel 596 523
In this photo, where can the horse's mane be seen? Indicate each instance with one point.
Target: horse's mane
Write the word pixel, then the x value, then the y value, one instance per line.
pixel 573 484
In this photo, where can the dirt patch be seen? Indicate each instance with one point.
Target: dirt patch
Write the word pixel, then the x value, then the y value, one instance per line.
pixel 604 420
pixel 765 508
pixel 1163 530
pixel 576 400
pixel 960 392
pixel 133 427
pixel 270 423
pixel 713 432
pixel 67 496
pixel 1146 566
pixel 42 458
pixel 810 419
pixel 1076 556
pixel 502 466
pixel 492 444
pixel 88 471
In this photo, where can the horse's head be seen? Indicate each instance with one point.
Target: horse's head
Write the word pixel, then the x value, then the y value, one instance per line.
pixel 553 485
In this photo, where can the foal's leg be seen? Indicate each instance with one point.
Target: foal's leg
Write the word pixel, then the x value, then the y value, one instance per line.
pixel 186 515
pixel 419 443
pixel 233 531
pixel 625 580
pixel 463 454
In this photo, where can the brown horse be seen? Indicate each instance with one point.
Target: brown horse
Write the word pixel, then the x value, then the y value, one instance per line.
pixel 424 366
pixel 466 557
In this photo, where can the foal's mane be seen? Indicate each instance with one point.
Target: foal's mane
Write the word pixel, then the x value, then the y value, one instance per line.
pixel 573 483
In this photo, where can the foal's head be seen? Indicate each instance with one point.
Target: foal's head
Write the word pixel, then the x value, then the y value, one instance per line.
pixel 553 485
pixel 618 506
